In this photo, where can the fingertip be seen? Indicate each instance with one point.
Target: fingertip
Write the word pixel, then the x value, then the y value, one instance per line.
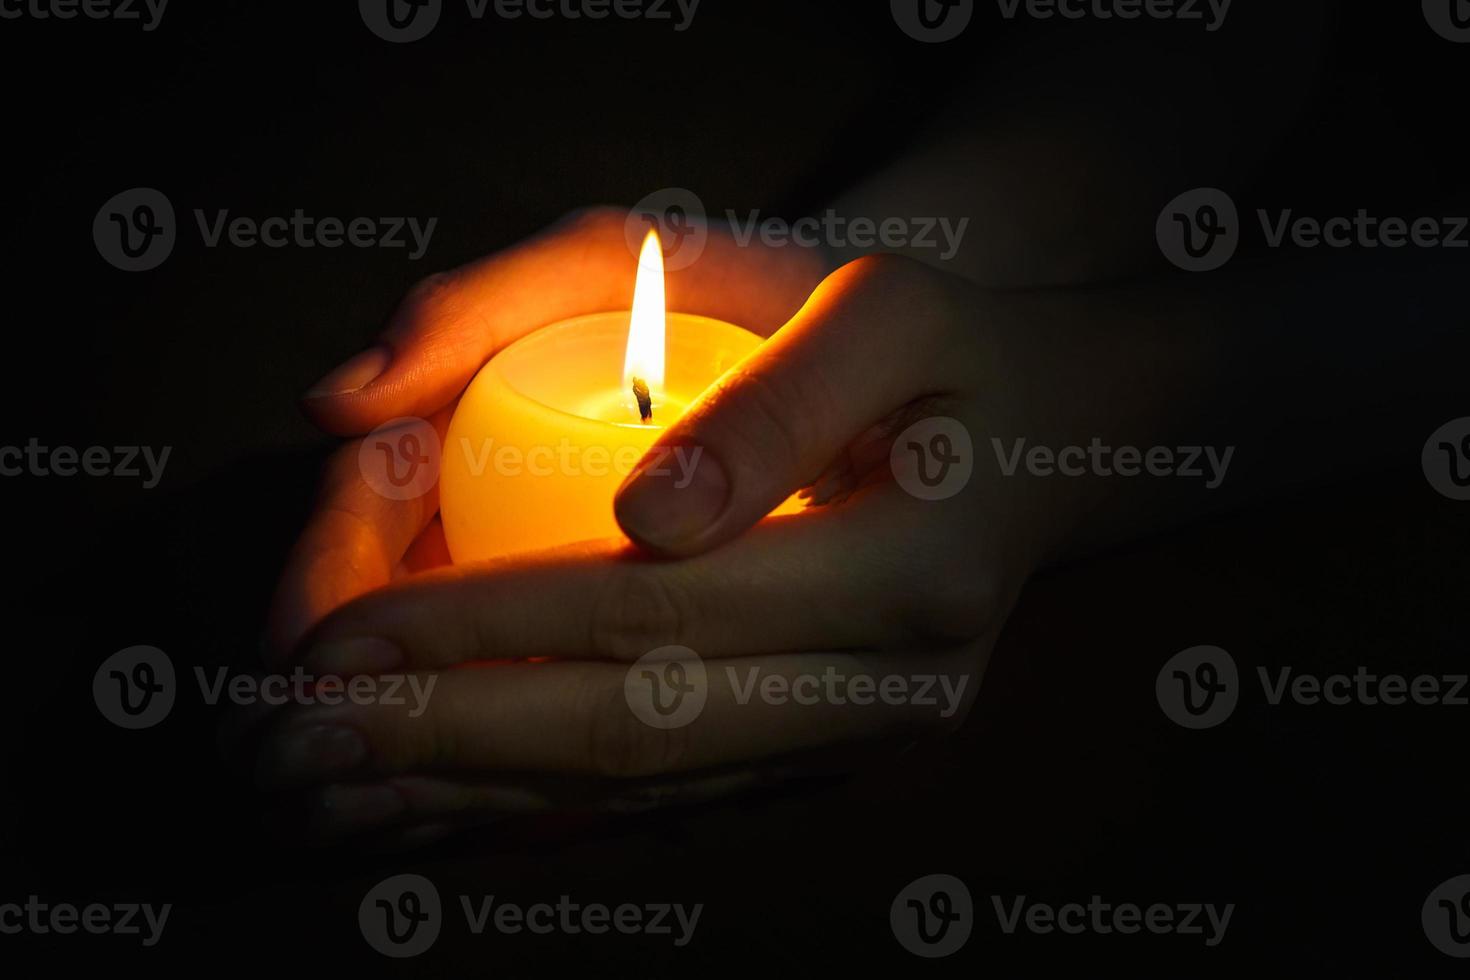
pixel 670 505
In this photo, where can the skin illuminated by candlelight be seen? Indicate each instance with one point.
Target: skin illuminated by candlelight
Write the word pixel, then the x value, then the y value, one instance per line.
pixel 544 435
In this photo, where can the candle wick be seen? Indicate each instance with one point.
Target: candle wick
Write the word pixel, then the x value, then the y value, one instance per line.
pixel 645 400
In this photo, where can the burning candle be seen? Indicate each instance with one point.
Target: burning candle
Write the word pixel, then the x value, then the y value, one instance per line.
pixel 548 430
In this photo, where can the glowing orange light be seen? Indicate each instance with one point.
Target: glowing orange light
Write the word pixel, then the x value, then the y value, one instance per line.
pixel 645 357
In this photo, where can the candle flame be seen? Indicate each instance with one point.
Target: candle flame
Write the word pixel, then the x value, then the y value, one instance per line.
pixel 645 357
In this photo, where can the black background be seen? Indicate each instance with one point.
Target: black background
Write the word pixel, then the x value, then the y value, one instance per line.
pixel 1327 827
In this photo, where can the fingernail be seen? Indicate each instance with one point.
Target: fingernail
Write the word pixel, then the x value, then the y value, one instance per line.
pixel 358 655
pixel 673 497
pixel 342 808
pixel 356 373
pixel 312 753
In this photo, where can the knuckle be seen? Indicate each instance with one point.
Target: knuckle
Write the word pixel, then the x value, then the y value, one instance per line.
pixel 953 609
pixel 433 304
pixel 767 424
pixel 637 609
pixel 622 746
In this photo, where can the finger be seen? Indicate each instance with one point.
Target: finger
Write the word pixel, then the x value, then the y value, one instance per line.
pixel 819 580
pixel 342 810
pixel 450 324
pixel 876 335
pixel 583 718
pixel 410 811
pixel 353 542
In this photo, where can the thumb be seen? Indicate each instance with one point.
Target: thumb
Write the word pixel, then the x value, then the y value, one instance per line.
pixel 450 324
pixel 877 334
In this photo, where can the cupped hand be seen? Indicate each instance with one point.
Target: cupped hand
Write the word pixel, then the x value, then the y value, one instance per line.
pixel 870 615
